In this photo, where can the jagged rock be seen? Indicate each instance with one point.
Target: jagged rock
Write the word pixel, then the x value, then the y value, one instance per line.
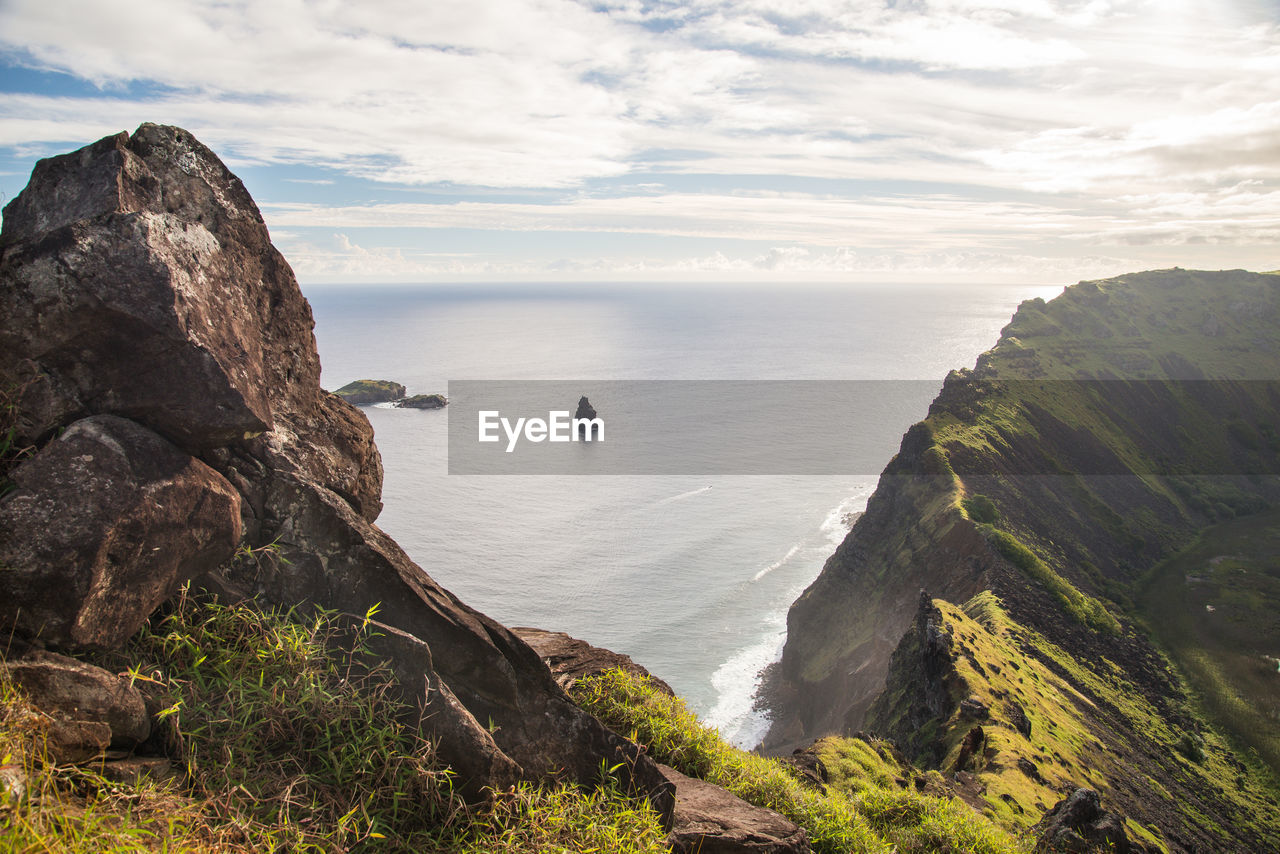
pixel 972 707
pixel 461 741
pixel 71 690
pixel 424 401
pixel 365 392
pixel 809 768
pixel 1018 718
pixel 139 280
pixel 570 659
pixel 1079 825
pixel 1026 766
pixel 123 517
pixel 924 685
pixel 332 557
pixel 712 820
pixel 586 412
pixel 974 741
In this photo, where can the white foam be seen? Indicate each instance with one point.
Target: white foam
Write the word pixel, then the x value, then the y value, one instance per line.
pixel 777 563
pixel 834 526
pixel 736 683
pixel 682 496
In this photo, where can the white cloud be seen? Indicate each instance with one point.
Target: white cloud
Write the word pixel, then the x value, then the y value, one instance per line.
pixel 1006 126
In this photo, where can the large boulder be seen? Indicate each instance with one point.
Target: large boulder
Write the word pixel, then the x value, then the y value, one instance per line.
pixel 73 691
pixel 102 526
pixel 712 820
pixel 139 280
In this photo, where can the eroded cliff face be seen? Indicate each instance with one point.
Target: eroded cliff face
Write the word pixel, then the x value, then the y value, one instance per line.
pixel 1102 432
pixel 157 360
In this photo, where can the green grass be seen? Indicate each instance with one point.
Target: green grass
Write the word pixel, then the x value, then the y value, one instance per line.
pixel 1083 608
pixel 1215 608
pixel 290 743
pixel 872 817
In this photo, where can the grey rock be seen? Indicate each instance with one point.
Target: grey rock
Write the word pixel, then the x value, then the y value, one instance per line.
pixel 72 690
pixel 570 659
pixel 103 525
pixel 711 820
pixel 139 280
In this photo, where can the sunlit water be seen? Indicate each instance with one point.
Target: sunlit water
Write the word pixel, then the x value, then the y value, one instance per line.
pixel 689 575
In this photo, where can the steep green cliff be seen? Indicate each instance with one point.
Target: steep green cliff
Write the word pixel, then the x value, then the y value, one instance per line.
pixel 1104 432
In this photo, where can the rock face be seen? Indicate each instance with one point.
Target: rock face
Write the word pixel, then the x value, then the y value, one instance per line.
pixel 139 283
pixel 366 392
pixel 923 663
pixel 1104 430
pixel 102 526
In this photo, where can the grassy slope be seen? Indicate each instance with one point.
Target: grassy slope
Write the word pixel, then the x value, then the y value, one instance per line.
pixel 1078 545
pixel 289 744
pixel 867 809
pixel 1216 608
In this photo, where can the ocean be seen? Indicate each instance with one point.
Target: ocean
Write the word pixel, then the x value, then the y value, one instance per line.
pixel 689 574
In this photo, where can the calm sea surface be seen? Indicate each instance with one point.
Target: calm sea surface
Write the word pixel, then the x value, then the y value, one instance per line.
pixel 689 575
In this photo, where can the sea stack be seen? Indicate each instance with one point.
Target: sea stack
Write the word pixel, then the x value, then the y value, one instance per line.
pixel 585 412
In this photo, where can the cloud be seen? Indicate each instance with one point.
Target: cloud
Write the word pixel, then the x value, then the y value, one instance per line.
pixel 1004 126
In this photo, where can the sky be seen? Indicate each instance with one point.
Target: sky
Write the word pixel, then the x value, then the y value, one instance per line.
pixel 1029 141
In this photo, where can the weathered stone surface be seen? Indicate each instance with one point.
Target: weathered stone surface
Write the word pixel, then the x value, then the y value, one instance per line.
pixel 72 742
pixel 1018 718
pixel 1079 825
pixel 139 280
pixel 460 740
pixel 103 525
pixel 570 659
pixel 809 767
pixel 712 820
pixel 75 691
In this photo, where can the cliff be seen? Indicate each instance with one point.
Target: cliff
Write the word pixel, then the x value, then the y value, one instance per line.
pixel 1102 434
